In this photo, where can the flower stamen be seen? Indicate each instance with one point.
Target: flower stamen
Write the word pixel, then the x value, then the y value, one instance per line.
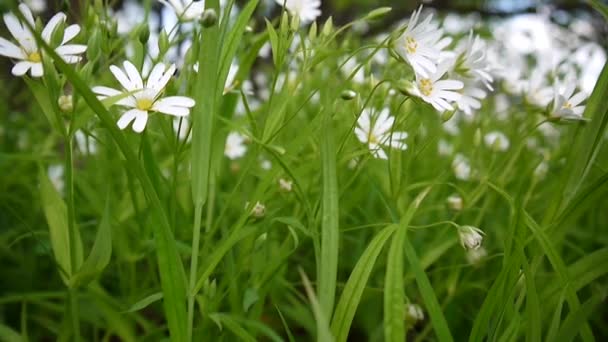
pixel 144 104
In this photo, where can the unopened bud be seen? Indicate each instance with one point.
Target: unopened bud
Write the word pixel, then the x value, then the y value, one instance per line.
pixel 258 210
pixel 348 95
pixel 209 17
pixel 66 103
pixel 455 202
pixel 470 237
pixel 413 313
pixel 378 12
pixel 285 185
pixel 144 34
pixel 447 115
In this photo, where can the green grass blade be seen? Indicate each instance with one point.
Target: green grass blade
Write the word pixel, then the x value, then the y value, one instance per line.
pixel 330 233
pixel 323 332
pixel 394 298
pixel 577 319
pixel 351 295
pixel 428 294
pixel 145 302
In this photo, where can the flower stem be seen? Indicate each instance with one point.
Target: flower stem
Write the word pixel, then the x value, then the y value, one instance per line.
pixel 73 235
pixel 196 237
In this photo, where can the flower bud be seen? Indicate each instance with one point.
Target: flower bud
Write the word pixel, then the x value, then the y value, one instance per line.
pixel 455 202
pixel 348 95
pixel 144 34
pixel 413 313
pixel 447 115
pixel 209 18
pixel 258 210
pixel 470 237
pixel 66 103
pixel 378 12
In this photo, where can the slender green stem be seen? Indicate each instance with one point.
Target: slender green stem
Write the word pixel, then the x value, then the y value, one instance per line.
pixel 196 238
pixel 74 313
pixel 69 180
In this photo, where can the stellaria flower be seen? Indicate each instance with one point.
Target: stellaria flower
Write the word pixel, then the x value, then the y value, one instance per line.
pixel 144 98
pixel 28 53
pixel 566 104
pixel 186 10
pixel 436 91
pixel 497 141
pixel 235 146
pixel 471 60
pixel 421 44
pixel 470 96
pixel 376 132
pixel 306 10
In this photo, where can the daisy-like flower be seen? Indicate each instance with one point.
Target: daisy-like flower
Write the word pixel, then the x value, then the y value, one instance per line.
pixel 469 100
pixel 27 52
pixel 376 133
pixel 471 61
pixel 536 89
pixel 566 104
pixel 421 44
pixel 235 146
pixel 497 141
pixel 144 98
pixel 306 10
pixel 436 91
pixel 186 10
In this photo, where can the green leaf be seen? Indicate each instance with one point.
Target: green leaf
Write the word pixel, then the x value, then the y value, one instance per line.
pixel 56 214
pixel 143 303
pixel 330 230
pixel 274 42
pixel 353 289
pixel 394 297
pixel 100 254
pixel 7 334
pixel 323 332
pixel 577 319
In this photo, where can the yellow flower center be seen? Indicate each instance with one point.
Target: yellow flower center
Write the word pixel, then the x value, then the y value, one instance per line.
pixel 411 45
pixel 426 87
pixel 144 104
pixel 34 57
pixel 373 139
pixel 568 105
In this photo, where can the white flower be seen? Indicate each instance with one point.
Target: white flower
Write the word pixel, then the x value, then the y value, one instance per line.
pixel 306 10
pixel 461 167
pixel 144 98
pixel 55 174
pixel 541 170
pixel 497 141
pixel 28 54
pixel 537 91
pixel 566 104
pixel 258 210
pixel 376 133
pixel 455 202
pixel 470 237
pixel 37 6
pixel 414 313
pixel 436 91
pixel 185 9
pixel 285 185
pixel 235 146
pixel 444 148
pixel 472 62
pixel 421 44
pixel 469 101
pixel 350 66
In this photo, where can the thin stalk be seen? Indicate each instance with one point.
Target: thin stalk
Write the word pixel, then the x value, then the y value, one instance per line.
pixel 196 238
pixel 69 180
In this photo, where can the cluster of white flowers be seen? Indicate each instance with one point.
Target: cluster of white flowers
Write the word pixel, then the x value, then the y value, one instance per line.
pixel 376 132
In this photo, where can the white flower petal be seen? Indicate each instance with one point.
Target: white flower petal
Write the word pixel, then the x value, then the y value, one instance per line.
pixel 10 50
pixel 71 49
pixel 47 32
pixel 70 32
pixel 21 68
pixel 36 70
pixel 122 78
pixel 171 110
pixel 127 117
pixel 140 122
pixel 179 101
pixel 133 75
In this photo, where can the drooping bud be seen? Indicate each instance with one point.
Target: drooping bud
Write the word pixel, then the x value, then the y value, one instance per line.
pixel 144 34
pixel 285 185
pixel 470 237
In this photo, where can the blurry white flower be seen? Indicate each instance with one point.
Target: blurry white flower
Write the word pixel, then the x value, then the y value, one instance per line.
pixel 471 61
pixel 186 10
pixel 470 237
pixel 497 141
pixel 37 6
pixel 444 148
pixel 144 99
pixel 455 202
pixel 306 10
pixel 265 164
pixel 436 91
pixel 461 167
pixel 413 313
pixel 235 146
pixel 350 66
pixel 456 23
pixel 421 44
pixel 566 104
pixel 55 174
pixel 85 143
pixel 590 58
pixel 469 101
pixel 474 256
pixel 28 54
pixel 376 132
pixel 285 185
pixel 181 129
pixel 537 91
pixel 258 210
